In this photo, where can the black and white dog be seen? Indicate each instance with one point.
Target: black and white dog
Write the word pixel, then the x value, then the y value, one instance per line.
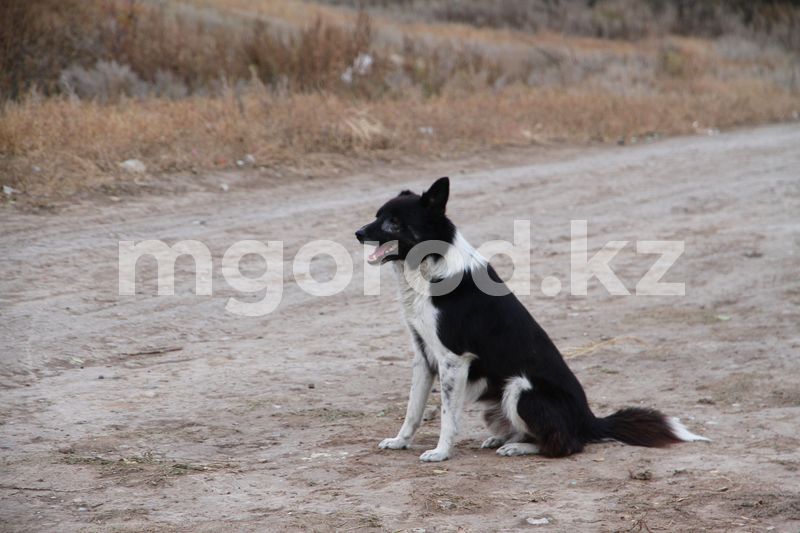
pixel 487 347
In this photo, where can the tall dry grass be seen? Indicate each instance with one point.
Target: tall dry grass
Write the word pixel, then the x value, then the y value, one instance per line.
pixel 197 86
pixel 65 46
pixel 78 144
pixel 776 21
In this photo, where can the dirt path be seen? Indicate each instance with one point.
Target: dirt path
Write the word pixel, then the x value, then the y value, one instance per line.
pixel 167 413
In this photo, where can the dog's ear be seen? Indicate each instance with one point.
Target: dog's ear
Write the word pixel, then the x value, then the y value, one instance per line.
pixel 435 198
pixel 405 192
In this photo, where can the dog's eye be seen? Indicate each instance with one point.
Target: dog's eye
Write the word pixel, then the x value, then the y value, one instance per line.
pixel 391 224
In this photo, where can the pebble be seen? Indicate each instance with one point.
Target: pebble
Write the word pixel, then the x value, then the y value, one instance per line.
pixel 133 165
pixel 538 521
pixel 446 505
pixel 430 413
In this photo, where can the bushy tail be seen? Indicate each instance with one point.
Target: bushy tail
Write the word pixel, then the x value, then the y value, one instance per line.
pixel 642 427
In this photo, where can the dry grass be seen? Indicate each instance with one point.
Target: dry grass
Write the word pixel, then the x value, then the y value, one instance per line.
pixel 776 21
pixel 432 89
pixel 76 144
pixel 66 46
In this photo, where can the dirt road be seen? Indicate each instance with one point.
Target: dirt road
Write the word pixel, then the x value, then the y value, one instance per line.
pixel 164 413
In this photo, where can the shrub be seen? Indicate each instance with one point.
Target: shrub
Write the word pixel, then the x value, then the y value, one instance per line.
pixel 106 81
pixel 107 48
pixel 764 20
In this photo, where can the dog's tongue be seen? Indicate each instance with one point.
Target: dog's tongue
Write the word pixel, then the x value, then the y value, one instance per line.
pixel 382 251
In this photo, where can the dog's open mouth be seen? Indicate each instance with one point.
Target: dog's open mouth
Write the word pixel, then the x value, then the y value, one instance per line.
pixel 382 253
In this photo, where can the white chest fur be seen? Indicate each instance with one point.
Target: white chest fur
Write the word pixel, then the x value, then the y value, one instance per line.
pixel 415 289
pixel 418 309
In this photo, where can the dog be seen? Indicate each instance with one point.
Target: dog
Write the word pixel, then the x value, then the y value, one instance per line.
pixel 485 346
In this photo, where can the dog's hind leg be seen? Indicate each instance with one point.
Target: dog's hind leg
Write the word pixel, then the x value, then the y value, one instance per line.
pixel 499 441
pixel 544 416
pixel 421 383
pixel 510 449
pixel 519 442
pixel 453 374
pixel 499 426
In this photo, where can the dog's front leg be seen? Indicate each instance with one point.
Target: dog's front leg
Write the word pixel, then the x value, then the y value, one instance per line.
pixel 421 382
pixel 453 372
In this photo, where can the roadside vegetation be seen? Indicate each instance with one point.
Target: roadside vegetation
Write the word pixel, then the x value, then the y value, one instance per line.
pixel 203 85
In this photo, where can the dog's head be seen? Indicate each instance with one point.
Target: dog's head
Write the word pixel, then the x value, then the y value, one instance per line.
pixel 407 220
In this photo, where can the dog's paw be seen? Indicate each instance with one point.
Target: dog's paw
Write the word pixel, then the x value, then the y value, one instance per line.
pixel 517 448
pixel 434 456
pixel 493 442
pixel 395 443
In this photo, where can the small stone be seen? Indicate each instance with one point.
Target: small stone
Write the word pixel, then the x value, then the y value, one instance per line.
pixel 430 413
pixel 538 521
pixel 347 75
pixel 224 186
pixel 642 475
pixel 134 166
pixel 311 386
pixel 362 64
pixel 446 505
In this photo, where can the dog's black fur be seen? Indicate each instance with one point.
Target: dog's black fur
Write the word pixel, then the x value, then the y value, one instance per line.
pixel 504 342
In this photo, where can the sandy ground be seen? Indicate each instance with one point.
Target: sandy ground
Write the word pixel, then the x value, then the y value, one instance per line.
pixel 166 413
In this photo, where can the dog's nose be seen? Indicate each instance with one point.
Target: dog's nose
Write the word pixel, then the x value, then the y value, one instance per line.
pixel 361 235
